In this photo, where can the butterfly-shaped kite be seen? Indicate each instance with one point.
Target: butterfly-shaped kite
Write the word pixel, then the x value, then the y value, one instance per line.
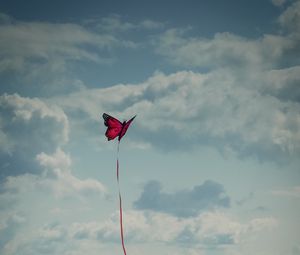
pixel 115 127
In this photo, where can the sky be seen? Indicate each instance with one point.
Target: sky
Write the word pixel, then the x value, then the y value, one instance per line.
pixel 210 164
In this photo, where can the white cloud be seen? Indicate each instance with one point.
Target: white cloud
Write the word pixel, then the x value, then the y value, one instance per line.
pixel 42 56
pixel 27 41
pixel 33 195
pixel 254 110
pixel 47 239
pixel 247 102
pixel 9 227
pixel 115 24
pixel 283 83
pixel 207 229
pixel 191 236
pixel 278 2
pixel 32 132
pixel 293 192
pixel 60 182
pixel 64 183
pixel 58 160
pixel 189 108
pixel 151 24
pixel 30 121
pixel 290 18
pixel 223 50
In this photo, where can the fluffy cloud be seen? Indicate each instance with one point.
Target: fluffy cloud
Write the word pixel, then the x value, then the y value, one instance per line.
pixel 115 24
pixel 183 203
pixel 42 55
pixel 27 127
pixel 17 112
pixel 290 18
pixel 35 171
pixel 227 50
pixel 251 60
pixel 56 177
pixel 9 227
pixel 283 83
pixel 48 239
pixel 224 50
pixel 293 192
pixel 65 183
pixel 278 2
pixel 207 229
pixel 29 41
pixel 33 132
pixel 185 109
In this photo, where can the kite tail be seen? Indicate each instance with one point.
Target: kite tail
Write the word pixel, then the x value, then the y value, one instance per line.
pixel 120 203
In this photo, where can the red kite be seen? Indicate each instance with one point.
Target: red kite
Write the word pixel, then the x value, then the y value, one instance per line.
pixel 117 128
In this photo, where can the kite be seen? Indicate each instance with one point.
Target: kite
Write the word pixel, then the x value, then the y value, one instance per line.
pixel 117 128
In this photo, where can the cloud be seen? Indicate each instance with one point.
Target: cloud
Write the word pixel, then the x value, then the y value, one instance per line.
pixel 151 24
pixel 183 203
pixel 293 192
pixel 290 19
pixel 248 59
pixel 210 229
pixel 276 50
pixel 9 227
pixel 31 153
pixel 58 166
pixel 35 41
pixel 56 177
pixel 245 100
pixel 27 127
pixel 5 19
pixel 42 56
pixel 93 40
pixel 17 110
pixel 205 231
pixel 37 196
pixel 227 50
pixel 187 109
pixel 278 2
pixel 283 83
pixel 223 49
pixel 115 23
pixel 48 239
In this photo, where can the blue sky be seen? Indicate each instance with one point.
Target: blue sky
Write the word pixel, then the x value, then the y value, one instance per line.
pixel 211 163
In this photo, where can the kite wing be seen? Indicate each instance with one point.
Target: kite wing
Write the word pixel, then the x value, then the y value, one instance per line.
pixel 114 126
pixel 125 127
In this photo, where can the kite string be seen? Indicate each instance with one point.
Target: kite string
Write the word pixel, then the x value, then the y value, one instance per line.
pixel 120 202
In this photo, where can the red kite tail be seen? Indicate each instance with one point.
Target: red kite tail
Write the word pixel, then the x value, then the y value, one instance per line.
pixel 120 203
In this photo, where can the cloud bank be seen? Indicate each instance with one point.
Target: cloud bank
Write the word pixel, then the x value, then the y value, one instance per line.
pixel 187 109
